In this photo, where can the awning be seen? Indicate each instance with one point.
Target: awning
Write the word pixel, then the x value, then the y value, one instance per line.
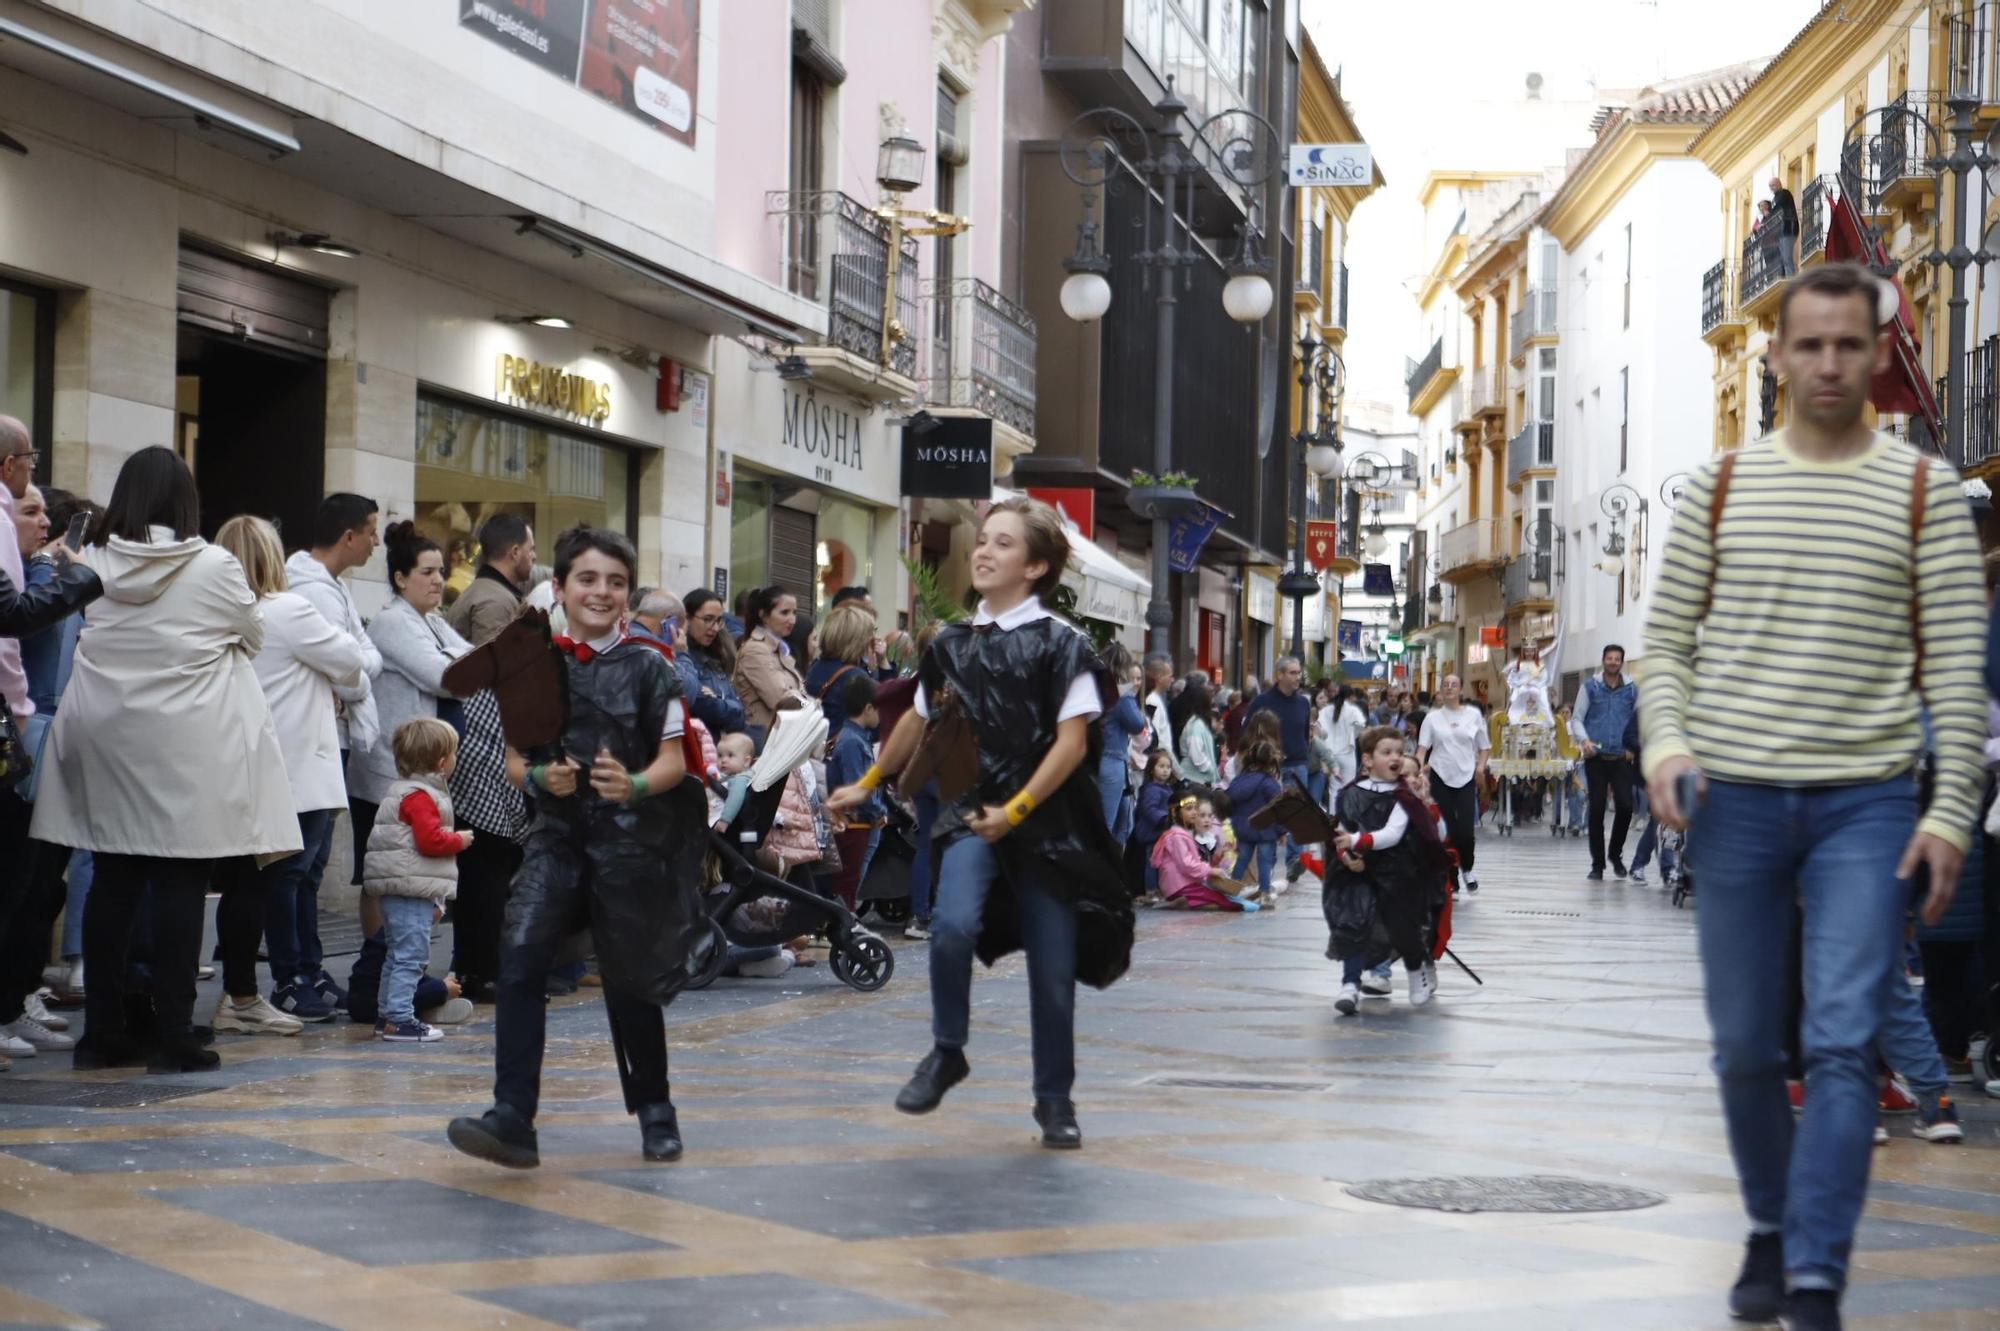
pixel 1105 588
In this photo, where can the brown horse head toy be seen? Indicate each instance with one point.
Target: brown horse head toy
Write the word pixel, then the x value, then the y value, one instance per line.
pixel 527 674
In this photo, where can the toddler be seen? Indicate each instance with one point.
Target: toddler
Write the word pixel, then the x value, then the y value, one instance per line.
pixel 734 756
pixel 411 866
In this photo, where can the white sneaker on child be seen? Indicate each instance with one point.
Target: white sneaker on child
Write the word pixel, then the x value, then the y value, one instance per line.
pixel 1422 987
pixel 1349 1001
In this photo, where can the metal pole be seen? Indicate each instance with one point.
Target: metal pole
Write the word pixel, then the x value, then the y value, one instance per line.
pixel 1299 557
pixel 1160 610
pixel 1960 258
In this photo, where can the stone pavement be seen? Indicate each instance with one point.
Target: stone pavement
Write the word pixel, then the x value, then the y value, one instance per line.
pixel 1226 1110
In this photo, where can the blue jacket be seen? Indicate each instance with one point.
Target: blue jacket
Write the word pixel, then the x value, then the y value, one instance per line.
pixel 41 653
pixel 1151 819
pixel 853 753
pixel 1294 722
pixel 719 709
pixel 1609 712
pixel 1248 793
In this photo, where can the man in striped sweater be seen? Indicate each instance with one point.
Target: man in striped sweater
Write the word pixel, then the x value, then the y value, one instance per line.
pixel 1827 546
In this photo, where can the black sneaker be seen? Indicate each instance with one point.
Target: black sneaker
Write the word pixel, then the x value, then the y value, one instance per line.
pixel 1594 876
pixel 1811 1310
pixel 1759 1291
pixel 1058 1119
pixel 1618 867
pixel 500 1136
pixel 659 1132
pixel 329 990
pixel 941 1070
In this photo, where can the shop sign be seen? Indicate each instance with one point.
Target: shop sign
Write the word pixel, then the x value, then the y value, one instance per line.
pixel 720 586
pixel 1263 598
pixel 823 433
pixel 641 56
pixel 552 388
pixel 694 393
pixel 1322 543
pixel 548 33
pixel 1332 164
pixel 951 457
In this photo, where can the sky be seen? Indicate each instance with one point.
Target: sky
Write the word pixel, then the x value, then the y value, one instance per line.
pixel 1443 86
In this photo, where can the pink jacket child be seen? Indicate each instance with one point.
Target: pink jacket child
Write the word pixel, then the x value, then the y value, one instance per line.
pixel 1185 872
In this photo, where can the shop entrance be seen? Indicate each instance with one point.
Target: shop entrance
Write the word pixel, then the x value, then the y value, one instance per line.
pixel 250 393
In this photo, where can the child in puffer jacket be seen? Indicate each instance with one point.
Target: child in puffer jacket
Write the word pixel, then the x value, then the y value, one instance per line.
pixel 1256 786
pixel 411 866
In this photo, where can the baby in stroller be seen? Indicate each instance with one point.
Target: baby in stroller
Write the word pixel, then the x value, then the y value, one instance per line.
pixel 757 910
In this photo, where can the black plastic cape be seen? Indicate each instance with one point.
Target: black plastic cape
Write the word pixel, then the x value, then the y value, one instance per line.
pixel 1384 911
pixel 1012 683
pixel 628 874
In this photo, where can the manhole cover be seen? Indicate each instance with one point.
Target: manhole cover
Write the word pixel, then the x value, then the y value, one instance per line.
pixel 92 1094
pixel 1532 1192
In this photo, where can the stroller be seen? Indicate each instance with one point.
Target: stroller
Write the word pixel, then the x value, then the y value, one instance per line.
pixel 886 889
pixel 860 957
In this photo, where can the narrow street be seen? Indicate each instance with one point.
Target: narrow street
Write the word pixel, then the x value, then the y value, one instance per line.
pixel 1226 1109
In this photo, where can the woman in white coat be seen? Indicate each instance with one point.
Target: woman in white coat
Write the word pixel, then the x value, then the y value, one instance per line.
pixel 417 646
pixel 304 660
pixel 162 759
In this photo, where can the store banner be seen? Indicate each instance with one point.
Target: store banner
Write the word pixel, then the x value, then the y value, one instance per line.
pixel 1322 543
pixel 1378 580
pixel 1078 504
pixel 1350 637
pixel 1188 533
pixel 950 457
pixel 639 55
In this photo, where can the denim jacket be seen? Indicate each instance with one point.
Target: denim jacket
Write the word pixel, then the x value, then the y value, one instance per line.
pixel 719 709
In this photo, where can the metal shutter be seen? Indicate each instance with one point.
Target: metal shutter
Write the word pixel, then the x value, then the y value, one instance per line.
pixel 793 563
pixel 251 302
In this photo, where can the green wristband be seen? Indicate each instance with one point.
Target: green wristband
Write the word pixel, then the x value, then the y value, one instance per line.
pixel 535 775
pixel 640 788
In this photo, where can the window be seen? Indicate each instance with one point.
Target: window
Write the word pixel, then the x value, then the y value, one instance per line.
pixel 1624 418
pixel 27 365
pixel 474 462
pixel 1545 384
pixel 1315 257
pixel 805 178
pixel 944 260
pixel 1628 274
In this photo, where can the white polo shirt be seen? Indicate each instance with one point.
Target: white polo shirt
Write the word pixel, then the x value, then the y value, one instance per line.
pixel 1454 736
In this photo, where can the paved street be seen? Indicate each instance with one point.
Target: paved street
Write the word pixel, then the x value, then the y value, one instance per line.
pixel 1227 1111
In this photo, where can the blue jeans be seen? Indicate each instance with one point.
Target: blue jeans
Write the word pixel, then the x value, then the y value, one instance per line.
pixel 291 903
pixel 1267 861
pixel 1757 851
pixel 81 867
pixel 920 866
pixel 406 927
pixel 1111 788
pixel 1048 935
pixel 1909 1045
pixel 1294 772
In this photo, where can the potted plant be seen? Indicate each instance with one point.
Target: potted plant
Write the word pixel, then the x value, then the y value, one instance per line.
pixel 1167 495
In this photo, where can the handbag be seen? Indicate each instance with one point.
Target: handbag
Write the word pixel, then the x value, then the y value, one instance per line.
pixel 948 753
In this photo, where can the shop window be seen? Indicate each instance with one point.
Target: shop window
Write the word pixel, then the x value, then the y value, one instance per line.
pixel 474 462
pixel 27 365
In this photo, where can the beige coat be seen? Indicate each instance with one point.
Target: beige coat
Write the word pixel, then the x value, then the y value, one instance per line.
pixel 164 744
pixel 765 675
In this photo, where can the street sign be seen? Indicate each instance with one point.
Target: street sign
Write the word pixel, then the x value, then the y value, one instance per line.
pixel 1344 164
pixel 1188 533
pixel 1322 543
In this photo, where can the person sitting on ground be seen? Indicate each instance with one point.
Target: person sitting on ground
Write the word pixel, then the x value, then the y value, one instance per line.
pixel 412 867
pixel 1379 884
pixel 734 757
pixel 1188 881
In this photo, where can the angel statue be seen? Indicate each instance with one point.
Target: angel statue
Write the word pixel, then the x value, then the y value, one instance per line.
pixel 1528 684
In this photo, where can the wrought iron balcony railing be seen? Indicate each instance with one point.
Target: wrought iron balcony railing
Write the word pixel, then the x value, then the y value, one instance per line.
pixel 1760 267
pixel 988 361
pixel 1528 579
pixel 1533 447
pixel 839 254
pixel 1982 426
pixel 1715 304
pixel 1468 545
pixel 1422 371
pixel 1816 202
pixel 1973 68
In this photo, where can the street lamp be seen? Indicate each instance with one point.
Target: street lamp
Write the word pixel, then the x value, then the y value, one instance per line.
pixel 1621 503
pixel 1672 488
pixel 1159 156
pixel 1322 380
pixel 1544 541
pixel 899 168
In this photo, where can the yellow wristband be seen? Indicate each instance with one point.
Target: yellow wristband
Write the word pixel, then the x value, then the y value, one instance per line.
pixel 873 777
pixel 1019 808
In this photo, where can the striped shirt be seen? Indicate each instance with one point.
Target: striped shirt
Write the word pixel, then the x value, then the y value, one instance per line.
pixel 1813 583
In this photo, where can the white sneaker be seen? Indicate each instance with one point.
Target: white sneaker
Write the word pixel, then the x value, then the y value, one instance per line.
pixel 38 1036
pixel 1422 987
pixel 451 1012
pixel 1881 1135
pixel 12 1046
pixel 36 1006
pixel 1375 985
pixel 770 968
pixel 256 1018
pixel 1639 876
pixel 1431 974
pixel 1349 1001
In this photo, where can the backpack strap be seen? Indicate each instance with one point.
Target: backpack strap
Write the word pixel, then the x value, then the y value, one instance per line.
pixel 1919 493
pixel 1724 473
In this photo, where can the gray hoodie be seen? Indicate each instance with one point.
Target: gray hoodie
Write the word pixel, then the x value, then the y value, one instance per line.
pixel 359 728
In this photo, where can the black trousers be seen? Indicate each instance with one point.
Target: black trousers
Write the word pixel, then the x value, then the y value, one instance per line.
pixel 239 924
pixel 1613 777
pixel 178 889
pixel 638 1034
pixel 1460 807
pixel 31 896
pixel 1954 994
pixel 485 870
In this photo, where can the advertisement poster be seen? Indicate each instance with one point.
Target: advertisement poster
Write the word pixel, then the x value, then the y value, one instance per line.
pixel 639 55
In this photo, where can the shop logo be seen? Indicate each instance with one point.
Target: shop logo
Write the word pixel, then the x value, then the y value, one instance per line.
pixel 553 388
pixel 822 430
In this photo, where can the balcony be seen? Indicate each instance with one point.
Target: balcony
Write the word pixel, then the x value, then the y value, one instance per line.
pixel 1903 150
pixel 1533 449
pixel 1816 202
pixel 1534 321
pixel 982 355
pixel 1760 281
pixel 1441 615
pixel 839 250
pixel 1528 585
pixel 1478 396
pixel 1982 426
pixel 1721 321
pixel 1333 321
pixel 1428 379
pixel 1975 56
pixel 1469 551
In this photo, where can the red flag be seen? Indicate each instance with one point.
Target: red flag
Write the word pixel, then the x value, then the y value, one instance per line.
pixel 1902 387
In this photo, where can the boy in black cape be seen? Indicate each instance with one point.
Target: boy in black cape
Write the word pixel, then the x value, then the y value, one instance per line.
pixel 614 848
pixel 1386 870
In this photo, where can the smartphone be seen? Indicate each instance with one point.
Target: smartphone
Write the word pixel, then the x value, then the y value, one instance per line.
pixel 78 525
pixel 1687 791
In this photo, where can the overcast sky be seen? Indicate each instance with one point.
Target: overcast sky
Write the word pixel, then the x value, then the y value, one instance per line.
pixel 1441 86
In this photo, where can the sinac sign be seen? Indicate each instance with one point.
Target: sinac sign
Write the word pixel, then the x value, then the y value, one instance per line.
pixel 1350 164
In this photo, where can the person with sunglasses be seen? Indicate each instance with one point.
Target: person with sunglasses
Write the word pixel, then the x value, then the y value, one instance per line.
pixel 707 665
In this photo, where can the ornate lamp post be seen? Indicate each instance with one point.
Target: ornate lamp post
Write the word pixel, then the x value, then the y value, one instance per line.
pixel 899 168
pixel 1095 147
pixel 1322 380
pixel 1622 504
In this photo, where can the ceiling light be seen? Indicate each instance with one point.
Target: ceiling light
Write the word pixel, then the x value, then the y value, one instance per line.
pixel 316 241
pixel 794 367
pixel 538 320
